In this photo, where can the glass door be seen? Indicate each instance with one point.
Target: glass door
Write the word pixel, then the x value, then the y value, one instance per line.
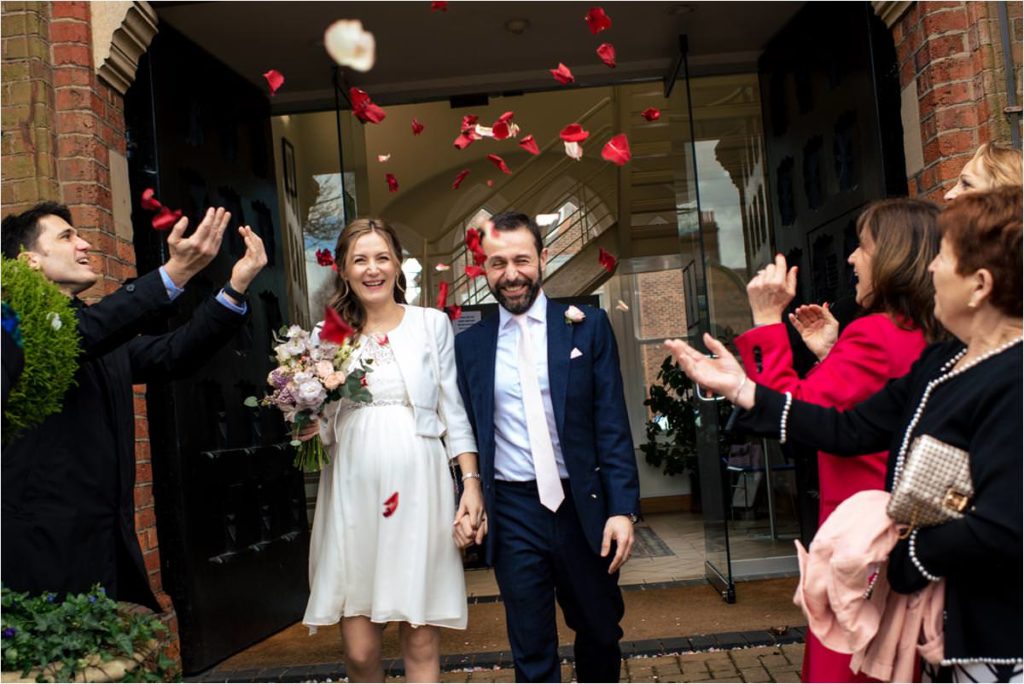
pixel 707 412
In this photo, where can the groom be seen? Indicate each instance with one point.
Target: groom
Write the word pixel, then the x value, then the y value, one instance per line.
pixel 542 388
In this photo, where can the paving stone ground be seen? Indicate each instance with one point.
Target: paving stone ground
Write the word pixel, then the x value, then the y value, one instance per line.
pixel 757 664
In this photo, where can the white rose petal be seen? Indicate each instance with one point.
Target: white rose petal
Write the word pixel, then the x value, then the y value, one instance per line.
pixel 574 150
pixel 349 45
pixel 383 157
pixel 54 318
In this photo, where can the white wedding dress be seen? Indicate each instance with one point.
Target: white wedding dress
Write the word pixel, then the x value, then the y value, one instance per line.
pixel 403 566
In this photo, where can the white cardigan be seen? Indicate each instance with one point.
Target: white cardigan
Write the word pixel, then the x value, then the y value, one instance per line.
pixel 424 347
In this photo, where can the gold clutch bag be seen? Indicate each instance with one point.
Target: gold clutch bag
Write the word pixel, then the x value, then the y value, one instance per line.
pixel 935 485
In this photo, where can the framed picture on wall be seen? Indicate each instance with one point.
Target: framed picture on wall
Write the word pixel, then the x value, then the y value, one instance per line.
pixel 291 185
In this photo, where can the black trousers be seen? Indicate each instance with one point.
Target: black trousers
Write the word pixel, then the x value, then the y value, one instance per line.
pixel 541 557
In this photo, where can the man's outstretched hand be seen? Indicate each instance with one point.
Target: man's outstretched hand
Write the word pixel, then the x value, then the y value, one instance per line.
pixel 192 254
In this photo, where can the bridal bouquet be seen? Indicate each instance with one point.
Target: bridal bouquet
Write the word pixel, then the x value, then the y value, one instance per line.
pixel 309 375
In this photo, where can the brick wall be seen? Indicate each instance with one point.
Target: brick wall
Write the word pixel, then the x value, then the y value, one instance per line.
pixel 952 53
pixel 61 124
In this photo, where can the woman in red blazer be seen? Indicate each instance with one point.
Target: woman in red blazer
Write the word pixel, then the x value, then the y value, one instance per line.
pixel 898 239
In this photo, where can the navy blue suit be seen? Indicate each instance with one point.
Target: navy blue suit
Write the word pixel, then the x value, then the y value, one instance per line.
pixel 539 555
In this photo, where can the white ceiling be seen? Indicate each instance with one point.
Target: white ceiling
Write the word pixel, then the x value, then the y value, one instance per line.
pixel 425 55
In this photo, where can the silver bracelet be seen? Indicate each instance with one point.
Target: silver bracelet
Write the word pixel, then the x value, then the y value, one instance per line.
pixel 736 395
pixel 913 558
pixel 783 423
pixel 470 476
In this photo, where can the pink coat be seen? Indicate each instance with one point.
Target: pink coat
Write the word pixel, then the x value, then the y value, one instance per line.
pixel 849 606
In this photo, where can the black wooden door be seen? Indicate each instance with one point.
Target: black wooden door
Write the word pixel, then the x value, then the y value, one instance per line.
pixel 230 508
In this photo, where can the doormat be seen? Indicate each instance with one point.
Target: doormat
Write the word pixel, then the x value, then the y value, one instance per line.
pixel 647 544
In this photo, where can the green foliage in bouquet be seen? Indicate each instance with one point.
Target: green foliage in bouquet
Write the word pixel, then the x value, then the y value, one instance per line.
pixel 49 335
pixel 57 640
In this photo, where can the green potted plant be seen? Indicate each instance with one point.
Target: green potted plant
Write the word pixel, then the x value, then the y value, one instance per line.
pixel 84 637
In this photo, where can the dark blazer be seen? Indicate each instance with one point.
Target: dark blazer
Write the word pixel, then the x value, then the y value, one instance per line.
pixel 68 485
pixel 979 555
pixel 590 413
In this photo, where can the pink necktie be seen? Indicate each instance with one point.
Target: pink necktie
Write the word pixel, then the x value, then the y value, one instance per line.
pixel 549 484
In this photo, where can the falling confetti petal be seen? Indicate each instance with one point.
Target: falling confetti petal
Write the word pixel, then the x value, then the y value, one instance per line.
pixel 324 257
pixel 607 260
pixel 440 268
pixel 490 183
pixel 562 74
pixel 574 133
pixel 417 127
pixel 165 219
pixel 438 6
pixel 364 108
pixel 529 144
pixel 616 150
pixel 606 51
pixel 459 178
pixel 500 163
pixel 621 305
pixel 275 79
pixel 651 113
pixel 454 312
pixel 474 271
pixel 574 150
pixel 383 157
pixel 350 45
pixel 442 294
pixel 391 505
pixel 597 20
pixel 463 141
pixel 335 329
pixel 149 202
pixel 392 182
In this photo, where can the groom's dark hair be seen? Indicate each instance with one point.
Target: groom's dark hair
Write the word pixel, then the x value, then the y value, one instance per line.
pixel 513 220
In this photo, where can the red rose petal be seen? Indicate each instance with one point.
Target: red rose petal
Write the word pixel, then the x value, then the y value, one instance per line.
pixel 442 294
pixel 417 127
pixel 506 117
pixel 597 20
pixel 574 133
pixel 463 141
pixel 562 74
pixel 651 113
pixel 490 183
pixel 275 79
pixel 149 202
pixel 474 271
pixel 391 505
pixel 364 108
pixel 529 144
pixel 438 6
pixel 335 329
pixel 474 236
pixel 459 178
pixel 165 219
pixel 500 163
pixel 392 182
pixel 616 150
pixel 454 312
pixel 606 51
pixel 500 130
pixel 324 257
pixel 607 260
pixel 469 122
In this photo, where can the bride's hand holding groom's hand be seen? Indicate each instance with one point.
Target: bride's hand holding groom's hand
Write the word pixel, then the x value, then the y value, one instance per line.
pixel 470 524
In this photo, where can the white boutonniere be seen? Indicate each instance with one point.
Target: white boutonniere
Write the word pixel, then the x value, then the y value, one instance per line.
pixel 574 315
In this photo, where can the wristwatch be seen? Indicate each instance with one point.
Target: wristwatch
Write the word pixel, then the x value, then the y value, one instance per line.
pixel 235 294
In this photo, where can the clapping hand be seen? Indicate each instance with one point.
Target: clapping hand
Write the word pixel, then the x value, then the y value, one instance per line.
pixel 192 254
pixel 251 263
pixel 771 291
pixel 722 374
pixel 818 328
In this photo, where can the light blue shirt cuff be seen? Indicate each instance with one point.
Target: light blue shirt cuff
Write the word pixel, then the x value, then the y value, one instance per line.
pixel 172 290
pixel 223 299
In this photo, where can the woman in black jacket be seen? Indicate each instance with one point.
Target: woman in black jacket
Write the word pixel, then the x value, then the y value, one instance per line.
pixel 966 393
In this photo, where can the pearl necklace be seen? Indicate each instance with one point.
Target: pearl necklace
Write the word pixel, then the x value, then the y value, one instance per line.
pixel 947 374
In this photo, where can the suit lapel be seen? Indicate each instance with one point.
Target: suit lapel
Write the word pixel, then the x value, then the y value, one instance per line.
pixel 559 348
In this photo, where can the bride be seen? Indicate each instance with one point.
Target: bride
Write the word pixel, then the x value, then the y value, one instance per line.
pixel 382 547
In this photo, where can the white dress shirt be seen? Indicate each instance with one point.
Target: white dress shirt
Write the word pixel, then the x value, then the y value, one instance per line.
pixel 513 460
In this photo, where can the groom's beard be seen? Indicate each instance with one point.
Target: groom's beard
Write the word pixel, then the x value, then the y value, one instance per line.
pixel 522 303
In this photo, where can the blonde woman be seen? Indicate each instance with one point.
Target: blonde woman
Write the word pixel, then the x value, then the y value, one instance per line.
pixel 994 165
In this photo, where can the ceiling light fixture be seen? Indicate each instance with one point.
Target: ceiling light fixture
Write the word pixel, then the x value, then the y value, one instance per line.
pixel 517 26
